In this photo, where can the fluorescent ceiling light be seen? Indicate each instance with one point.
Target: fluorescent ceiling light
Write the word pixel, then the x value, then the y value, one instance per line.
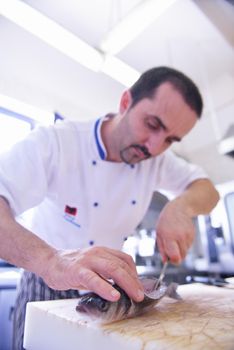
pixel 120 71
pixel 133 24
pixel 26 110
pixel 51 32
pixel 66 42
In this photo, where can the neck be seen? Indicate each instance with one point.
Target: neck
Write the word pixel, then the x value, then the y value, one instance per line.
pixel 108 136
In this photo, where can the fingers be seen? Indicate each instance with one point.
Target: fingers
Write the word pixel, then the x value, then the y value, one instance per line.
pixel 127 258
pixel 91 268
pixel 175 231
pixel 119 271
pixel 108 263
pixel 173 248
pixel 92 281
pixel 175 252
pixel 169 251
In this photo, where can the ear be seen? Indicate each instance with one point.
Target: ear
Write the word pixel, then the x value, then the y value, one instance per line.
pixel 125 102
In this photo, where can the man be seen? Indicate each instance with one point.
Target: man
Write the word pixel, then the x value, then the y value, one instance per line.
pixel 91 184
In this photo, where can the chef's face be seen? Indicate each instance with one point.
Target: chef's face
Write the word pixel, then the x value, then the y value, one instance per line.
pixel 148 128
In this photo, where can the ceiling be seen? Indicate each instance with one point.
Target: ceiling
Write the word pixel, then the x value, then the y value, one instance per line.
pixel 195 36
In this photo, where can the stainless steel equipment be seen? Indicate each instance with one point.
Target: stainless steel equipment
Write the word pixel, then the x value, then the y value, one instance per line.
pixel 9 277
pixel 212 252
pixel 216 232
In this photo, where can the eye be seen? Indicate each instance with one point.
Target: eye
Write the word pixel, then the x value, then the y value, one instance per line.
pixel 102 304
pixel 153 125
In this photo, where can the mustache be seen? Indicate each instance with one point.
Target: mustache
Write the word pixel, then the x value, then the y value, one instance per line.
pixel 124 153
pixel 143 149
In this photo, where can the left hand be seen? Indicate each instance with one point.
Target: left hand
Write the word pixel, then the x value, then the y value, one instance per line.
pixel 175 232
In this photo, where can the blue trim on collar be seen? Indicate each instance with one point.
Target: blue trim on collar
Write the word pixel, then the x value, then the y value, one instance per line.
pixel 101 151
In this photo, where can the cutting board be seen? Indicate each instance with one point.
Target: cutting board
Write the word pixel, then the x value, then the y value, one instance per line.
pixel 204 319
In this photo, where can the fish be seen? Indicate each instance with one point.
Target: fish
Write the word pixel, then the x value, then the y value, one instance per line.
pixel 94 307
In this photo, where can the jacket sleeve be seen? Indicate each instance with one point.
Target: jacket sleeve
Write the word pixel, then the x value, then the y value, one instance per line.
pixel 175 174
pixel 27 169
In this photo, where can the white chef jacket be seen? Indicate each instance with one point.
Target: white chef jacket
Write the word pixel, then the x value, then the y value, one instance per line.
pixel 81 199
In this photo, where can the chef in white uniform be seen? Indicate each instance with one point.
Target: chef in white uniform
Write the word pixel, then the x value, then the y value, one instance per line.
pixel 91 184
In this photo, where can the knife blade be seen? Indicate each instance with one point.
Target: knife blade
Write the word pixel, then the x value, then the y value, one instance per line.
pixel 161 276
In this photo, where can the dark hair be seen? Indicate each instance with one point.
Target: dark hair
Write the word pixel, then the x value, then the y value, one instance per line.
pixel 149 81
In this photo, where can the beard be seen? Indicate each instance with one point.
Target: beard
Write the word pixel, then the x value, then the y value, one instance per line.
pixel 134 154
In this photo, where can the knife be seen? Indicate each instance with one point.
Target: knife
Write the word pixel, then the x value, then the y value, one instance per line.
pixel 161 276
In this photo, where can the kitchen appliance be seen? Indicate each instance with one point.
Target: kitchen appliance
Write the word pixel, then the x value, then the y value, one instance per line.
pixel 9 277
pixel 216 233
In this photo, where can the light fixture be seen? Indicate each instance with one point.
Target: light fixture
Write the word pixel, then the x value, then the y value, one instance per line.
pixel 26 110
pixel 66 42
pixel 119 70
pixel 133 24
pixel 69 44
pixel 51 32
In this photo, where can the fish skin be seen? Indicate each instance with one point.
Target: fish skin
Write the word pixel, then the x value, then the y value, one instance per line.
pixel 94 307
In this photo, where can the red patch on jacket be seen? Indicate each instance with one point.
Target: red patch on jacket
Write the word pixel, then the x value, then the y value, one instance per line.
pixel 70 210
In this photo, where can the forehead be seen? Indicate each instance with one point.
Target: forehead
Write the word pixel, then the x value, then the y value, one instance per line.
pixel 169 105
pixel 168 100
pixel 167 95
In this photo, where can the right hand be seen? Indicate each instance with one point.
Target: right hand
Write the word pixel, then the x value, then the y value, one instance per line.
pixel 90 268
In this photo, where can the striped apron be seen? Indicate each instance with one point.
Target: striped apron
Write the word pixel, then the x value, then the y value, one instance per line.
pixel 32 288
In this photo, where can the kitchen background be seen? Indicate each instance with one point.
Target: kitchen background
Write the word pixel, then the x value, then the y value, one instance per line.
pixel 44 73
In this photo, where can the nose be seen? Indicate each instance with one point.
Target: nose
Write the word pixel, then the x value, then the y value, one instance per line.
pixel 156 143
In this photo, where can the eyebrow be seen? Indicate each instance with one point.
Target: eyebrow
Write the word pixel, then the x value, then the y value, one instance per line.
pixel 174 138
pixel 164 127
